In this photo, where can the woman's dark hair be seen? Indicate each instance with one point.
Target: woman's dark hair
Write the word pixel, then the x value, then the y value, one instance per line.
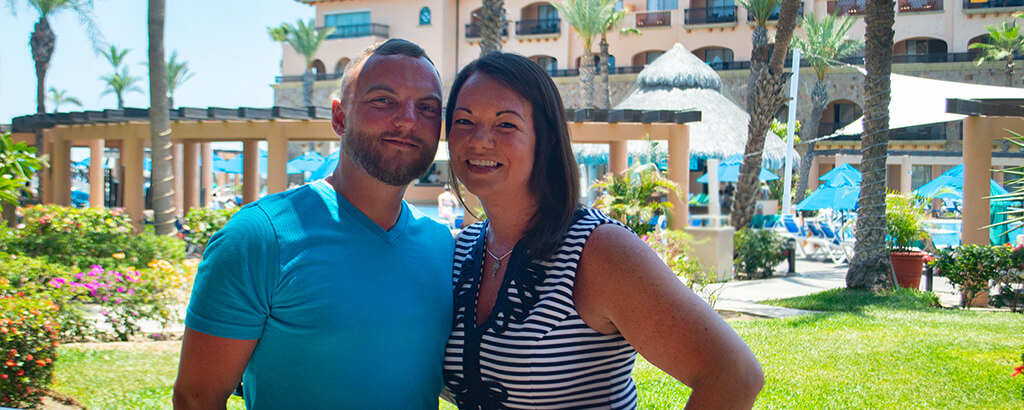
pixel 555 177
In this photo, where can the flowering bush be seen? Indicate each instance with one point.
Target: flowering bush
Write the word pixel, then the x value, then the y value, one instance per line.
pixel 202 223
pixel 675 249
pixel 27 276
pixel 28 344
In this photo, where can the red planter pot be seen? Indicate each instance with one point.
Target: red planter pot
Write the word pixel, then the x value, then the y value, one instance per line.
pixel 908 267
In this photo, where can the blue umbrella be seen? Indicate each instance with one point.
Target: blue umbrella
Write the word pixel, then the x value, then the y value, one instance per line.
pixel 88 161
pixel 234 165
pixel 330 163
pixel 729 171
pixel 946 187
pixel 310 161
pixel 840 193
pixel 843 169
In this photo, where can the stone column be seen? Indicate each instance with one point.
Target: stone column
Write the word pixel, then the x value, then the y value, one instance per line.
pixel 618 156
pixel 190 179
pixel 906 180
pixel 134 193
pixel 61 177
pixel 679 172
pixel 250 171
pixel 177 166
pixel 206 174
pixel 96 183
pixel 277 161
pixel 977 161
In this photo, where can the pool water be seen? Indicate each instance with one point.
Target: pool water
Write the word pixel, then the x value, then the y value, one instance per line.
pixel 946 232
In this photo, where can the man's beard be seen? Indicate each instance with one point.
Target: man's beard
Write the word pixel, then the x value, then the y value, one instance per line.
pixel 397 171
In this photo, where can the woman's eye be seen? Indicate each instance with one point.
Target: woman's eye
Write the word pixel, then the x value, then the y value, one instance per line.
pixel 507 125
pixel 463 121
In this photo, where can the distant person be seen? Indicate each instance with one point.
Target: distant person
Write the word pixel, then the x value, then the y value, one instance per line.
pixel 727 195
pixel 335 294
pixel 551 298
pixel 447 206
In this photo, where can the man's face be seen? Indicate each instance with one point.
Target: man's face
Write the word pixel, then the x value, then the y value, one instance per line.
pixel 390 121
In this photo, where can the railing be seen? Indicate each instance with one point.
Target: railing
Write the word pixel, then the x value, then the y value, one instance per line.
pixel 473 30
pixel 318 77
pixel 775 15
pixel 359 30
pixel 543 26
pixel 730 65
pixel 654 19
pixel 709 15
pixel 992 4
pixel 913 6
pixel 848 7
pixel 573 72
pixel 934 58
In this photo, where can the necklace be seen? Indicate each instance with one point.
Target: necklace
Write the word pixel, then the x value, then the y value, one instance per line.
pixel 497 260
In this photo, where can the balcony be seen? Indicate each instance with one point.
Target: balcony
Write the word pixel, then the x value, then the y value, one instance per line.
pixel 473 30
pixel 974 6
pixel 934 58
pixel 359 30
pixel 537 27
pixel 291 78
pixel 573 72
pixel 654 19
pixel 918 6
pixel 709 15
pixel 775 15
pixel 848 7
pixel 729 65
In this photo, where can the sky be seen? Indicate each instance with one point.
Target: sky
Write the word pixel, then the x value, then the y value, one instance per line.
pixel 225 42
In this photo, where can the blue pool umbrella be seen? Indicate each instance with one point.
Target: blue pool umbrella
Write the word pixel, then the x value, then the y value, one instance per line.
pixel 309 161
pixel 234 165
pixel 729 171
pixel 843 169
pixel 330 163
pixel 88 161
pixel 840 193
pixel 950 185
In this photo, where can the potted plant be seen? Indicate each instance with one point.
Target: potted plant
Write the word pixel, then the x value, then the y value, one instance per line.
pixel 905 225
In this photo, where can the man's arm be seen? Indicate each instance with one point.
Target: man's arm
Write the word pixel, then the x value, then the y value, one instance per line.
pixel 210 369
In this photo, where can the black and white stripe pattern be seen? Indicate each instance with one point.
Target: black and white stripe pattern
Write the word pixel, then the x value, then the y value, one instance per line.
pixel 534 351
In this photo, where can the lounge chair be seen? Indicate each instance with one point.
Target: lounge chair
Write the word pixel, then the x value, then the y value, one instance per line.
pixel 845 248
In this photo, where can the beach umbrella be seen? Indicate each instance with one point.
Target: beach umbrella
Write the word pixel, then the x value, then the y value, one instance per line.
pixel 950 185
pixel 840 193
pixel 729 171
pixel 234 165
pixel 843 169
pixel 330 163
pixel 307 162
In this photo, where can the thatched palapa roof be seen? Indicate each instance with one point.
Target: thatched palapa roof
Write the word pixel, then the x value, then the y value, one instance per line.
pixel 678 80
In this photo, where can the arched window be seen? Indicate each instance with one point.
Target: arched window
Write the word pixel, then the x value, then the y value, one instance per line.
pixel 425 16
pixel 319 70
pixel 339 67
pixel 546 62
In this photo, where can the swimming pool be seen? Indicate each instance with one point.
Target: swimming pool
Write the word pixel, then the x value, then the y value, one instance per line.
pixel 946 232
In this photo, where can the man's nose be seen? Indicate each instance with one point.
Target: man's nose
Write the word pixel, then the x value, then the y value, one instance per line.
pixel 405 115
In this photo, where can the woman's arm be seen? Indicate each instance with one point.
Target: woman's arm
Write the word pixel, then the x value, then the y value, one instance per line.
pixel 622 285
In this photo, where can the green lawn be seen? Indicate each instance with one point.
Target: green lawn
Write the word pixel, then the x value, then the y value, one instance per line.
pixel 867 352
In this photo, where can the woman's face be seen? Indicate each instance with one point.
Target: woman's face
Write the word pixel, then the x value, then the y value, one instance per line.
pixel 492 139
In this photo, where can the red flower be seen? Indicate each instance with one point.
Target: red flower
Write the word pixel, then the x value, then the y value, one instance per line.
pixel 1017 370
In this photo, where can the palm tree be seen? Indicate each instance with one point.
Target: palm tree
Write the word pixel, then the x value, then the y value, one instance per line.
pixel 43 41
pixel 1002 44
pixel 767 83
pixel 760 10
pixel 120 81
pixel 177 74
pixel 589 18
pixel 305 39
pixel 161 176
pixel 492 23
pixel 826 42
pixel 870 267
pixel 61 97
pixel 613 20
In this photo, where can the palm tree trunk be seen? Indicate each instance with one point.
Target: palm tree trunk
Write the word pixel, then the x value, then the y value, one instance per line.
pixel 42 42
pixel 161 177
pixel 1009 71
pixel 307 87
pixel 606 98
pixel 870 267
pixel 120 101
pixel 587 78
pixel 819 99
pixel 490 25
pixel 768 97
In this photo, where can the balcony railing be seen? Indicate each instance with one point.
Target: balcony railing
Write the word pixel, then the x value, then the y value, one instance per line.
pixel 992 4
pixel 473 30
pixel 848 7
pixel 320 77
pixel 914 6
pixel 775 15
pixel 573 72
pixel 709 15
pixel 654 19
pixel 360 30
pixel 730 65
pixel 543 26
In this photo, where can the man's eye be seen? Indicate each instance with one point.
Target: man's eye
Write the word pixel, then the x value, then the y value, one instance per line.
pixel 430 108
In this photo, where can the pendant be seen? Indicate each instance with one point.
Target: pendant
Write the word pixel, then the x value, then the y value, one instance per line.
pixel 495 267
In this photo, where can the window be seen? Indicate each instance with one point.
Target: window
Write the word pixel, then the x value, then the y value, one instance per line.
pixel 650 56
pixel 920 175
pixel 347 19
pixel 548 63
pixel 659 5
pixel 717 57
pixel 425 16
pixel 926 46
pixel 547 12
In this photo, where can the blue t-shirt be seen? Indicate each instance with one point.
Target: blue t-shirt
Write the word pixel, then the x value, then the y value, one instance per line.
pixel 348 315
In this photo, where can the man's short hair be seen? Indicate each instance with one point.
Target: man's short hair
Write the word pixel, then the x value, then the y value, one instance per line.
pixel 394 46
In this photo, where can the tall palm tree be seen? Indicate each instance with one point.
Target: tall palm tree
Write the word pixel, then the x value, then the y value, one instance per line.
pixel 305 39
pixel 612 21
pixel 161 176
pixel 760 10
pixel 61 97
pixel 589 18
pixel 1002 44
pixel 121 81
pixel 43 40
pixel 870 267
pixel 492 23
pixel 768 81
pixel 826 42
pixel 177 74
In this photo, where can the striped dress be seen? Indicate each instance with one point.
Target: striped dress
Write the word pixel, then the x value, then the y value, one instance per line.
pixel 533 351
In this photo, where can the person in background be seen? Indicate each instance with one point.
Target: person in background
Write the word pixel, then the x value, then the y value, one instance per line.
pixel 335 294
pixel 447 206
pixel 552 300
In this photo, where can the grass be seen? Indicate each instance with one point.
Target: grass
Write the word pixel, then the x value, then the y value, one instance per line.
pixel 864 351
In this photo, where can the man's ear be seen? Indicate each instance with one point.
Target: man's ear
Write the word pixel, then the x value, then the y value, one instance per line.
pixel 338 117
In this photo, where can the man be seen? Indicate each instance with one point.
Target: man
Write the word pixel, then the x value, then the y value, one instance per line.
pixel 335 294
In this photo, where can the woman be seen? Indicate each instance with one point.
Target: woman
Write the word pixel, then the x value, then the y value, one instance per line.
pixel 551 299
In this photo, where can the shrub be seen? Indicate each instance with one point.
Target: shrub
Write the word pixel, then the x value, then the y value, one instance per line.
pixel 904 223
pixel 30 277
pixel 202 223
pixel 28 343
pixel 970 268
pixel 675 247
pixel 758 251
pixel 633 197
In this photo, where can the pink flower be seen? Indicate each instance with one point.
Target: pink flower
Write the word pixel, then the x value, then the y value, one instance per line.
pixel 121 289
pixel 118 301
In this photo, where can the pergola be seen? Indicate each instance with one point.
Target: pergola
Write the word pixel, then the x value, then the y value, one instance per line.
pixel 128 130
